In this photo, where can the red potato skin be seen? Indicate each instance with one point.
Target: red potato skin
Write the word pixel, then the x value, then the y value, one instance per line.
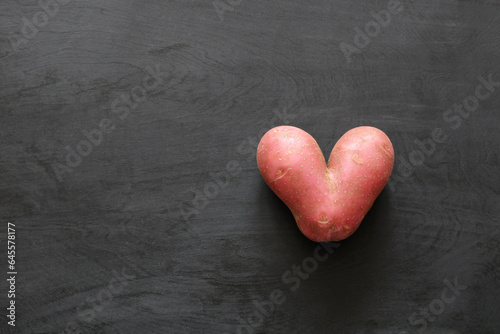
pixel 328 201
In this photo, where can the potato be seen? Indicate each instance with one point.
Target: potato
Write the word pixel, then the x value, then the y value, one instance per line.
pixel 328 201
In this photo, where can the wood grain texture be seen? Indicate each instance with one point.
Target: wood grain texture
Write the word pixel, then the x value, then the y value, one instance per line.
pixel 108 248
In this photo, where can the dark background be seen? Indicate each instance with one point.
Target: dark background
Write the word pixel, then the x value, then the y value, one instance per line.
pixel 105 248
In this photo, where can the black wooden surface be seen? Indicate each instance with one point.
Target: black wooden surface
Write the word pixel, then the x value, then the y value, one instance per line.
pixel 123 241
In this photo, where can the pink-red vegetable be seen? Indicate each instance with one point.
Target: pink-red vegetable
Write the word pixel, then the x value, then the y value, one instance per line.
pixel 328 201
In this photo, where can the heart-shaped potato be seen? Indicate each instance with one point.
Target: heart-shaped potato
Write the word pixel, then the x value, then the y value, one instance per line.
pixel 328 201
